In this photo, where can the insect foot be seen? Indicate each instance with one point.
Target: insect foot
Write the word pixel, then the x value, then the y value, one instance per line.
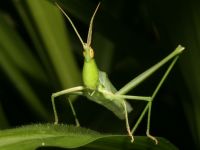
pixel 130 135
pixel 152 137
pixel 132 138
pixel 55 122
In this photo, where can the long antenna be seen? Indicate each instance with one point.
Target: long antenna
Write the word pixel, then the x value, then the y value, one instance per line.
pixel 89 38
pixel 72 24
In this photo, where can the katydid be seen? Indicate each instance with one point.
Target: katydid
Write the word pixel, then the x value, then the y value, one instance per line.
pixel 98 88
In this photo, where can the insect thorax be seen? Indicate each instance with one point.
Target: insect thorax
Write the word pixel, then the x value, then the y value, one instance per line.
pixel 90 74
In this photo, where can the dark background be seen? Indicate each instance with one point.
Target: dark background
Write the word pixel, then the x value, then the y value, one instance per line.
pixel 129 37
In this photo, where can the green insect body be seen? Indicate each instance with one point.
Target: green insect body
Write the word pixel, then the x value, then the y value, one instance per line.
pixel 97 82
pixel 90 74
pixel 104 95
pixel 98 88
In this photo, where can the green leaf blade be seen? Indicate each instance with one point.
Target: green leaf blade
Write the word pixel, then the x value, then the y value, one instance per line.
pixel 64 136
pixel 54 36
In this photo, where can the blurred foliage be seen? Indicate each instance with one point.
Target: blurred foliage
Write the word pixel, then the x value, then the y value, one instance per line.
pixel 40 54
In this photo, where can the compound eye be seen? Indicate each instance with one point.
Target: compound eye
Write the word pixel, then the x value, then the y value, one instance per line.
pixel 91 53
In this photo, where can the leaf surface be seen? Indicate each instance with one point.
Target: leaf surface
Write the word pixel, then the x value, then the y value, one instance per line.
pixel 31 137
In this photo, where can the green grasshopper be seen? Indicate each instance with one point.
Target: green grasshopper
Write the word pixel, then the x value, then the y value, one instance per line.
pixel 98 88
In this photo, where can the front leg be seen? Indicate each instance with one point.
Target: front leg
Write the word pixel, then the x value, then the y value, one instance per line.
pixel 69 91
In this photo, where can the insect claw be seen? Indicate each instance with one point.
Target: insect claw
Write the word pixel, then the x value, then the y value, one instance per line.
pixel 152 138
pixel 132 138
pixel 56 122
pixel 77 123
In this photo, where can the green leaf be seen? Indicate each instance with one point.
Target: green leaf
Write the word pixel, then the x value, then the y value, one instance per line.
pixel 17 51
pixel 22 84
pixel 16 60
pixel 65 136
pixel 54 36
